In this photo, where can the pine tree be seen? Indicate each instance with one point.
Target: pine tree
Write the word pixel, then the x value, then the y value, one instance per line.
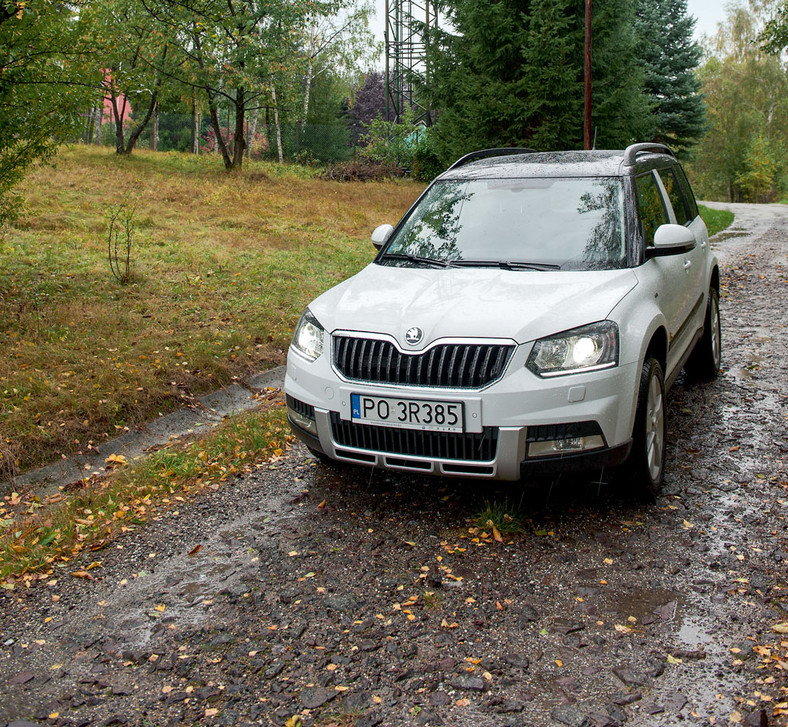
pixel 511 74
pixel 670 57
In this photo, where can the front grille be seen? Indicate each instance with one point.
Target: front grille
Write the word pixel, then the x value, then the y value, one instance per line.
pixel 481 447
pixel 550 432
pixel 299 407
pixel 450 365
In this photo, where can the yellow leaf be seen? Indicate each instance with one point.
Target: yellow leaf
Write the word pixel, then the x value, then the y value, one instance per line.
pixel 160 607
pixel 781 628
pixel 496 535
pixel 294 721
pixel 673 660
pixel 211 712
pixel 688 525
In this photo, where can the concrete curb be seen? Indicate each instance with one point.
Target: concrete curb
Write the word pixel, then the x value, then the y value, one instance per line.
pixel 212 409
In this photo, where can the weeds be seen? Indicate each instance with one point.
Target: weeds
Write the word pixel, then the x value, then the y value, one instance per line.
pixel 501 515
pixel 121 226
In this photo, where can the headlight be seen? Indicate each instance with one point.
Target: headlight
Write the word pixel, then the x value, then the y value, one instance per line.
pixel 308 337
pixel 588 348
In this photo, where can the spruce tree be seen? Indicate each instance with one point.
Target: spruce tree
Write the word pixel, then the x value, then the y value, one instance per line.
pixel 510 72
pixel 669 57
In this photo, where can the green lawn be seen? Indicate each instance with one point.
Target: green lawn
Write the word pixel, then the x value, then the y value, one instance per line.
pixel 716 220
pixel 221 265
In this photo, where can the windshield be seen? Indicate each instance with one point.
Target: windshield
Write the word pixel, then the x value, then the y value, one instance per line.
pixel 566 224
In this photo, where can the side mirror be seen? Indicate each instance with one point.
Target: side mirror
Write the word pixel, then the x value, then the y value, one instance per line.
pixel 381 235
pixel 671 240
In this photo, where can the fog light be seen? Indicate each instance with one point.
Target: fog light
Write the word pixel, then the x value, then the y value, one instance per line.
pixel 306 423
pixel 554 447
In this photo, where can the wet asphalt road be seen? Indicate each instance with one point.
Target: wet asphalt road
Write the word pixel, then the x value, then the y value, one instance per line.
pixel 339 596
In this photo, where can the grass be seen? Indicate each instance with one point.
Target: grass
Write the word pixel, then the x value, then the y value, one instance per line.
pixel 39 537
pixel 221 268
pixel 716 220
pixel 499 516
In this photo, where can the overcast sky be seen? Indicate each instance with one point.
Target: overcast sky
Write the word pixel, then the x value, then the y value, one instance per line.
pixel 708 13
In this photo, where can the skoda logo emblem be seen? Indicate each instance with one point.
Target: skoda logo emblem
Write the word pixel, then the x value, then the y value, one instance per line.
pixel 413 335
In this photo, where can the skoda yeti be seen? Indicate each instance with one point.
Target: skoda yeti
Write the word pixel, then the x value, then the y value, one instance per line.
pixel 525 317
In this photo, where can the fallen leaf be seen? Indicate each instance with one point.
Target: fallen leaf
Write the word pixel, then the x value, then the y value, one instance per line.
pixel 496 535
pixel 688 525
pixel 463 702
pixel 321 505
pixel 781 628
pixel 196 549
pixel 82 574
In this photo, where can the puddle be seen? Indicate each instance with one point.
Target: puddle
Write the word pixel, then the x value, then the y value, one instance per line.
pixel 694 633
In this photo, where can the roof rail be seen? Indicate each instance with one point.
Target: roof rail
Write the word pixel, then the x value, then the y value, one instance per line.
pixel 484 153
pixel 632 151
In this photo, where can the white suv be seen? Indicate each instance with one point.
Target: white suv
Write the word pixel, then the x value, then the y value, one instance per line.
pixel 525 317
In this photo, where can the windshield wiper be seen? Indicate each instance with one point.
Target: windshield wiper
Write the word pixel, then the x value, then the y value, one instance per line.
pixel 504 264
pixel 415 259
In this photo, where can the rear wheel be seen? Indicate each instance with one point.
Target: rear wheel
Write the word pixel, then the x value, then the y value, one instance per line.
pixel 705 360
pixel 645 467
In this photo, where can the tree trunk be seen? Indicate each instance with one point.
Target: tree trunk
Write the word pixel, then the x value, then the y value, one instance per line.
pixel 154 132
pixel 307 88
pixel 195 124
pixel 217 130
pixel 239 140
pixel 120 142
pixel 251 130
pixel 278 127
pixel 98 119
pixel 135 135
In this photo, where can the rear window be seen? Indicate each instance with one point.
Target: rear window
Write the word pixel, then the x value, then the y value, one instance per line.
pixel 676 196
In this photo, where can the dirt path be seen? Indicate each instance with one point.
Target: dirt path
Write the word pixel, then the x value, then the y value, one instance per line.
pixel 355 598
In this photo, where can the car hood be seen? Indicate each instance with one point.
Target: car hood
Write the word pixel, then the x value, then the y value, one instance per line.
pixel 470 302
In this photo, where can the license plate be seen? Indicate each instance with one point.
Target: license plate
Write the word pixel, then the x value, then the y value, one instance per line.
pixel 439 416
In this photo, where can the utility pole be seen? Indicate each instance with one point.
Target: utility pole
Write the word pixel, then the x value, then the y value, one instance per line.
pixel 408 27
pixel 587 85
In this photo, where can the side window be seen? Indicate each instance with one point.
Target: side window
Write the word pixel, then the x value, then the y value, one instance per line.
pixel 688 195
pixel 676 196
pixel 652 210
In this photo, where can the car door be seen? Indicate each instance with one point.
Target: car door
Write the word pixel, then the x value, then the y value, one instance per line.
pixel 668 275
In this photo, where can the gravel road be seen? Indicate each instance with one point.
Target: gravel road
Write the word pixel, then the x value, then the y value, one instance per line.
pixel 316 594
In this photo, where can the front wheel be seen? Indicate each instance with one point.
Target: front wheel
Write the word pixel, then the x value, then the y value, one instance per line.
pixel 706 358
pixel 645 468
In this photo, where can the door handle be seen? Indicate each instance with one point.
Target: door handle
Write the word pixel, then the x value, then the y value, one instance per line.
pixel 687 264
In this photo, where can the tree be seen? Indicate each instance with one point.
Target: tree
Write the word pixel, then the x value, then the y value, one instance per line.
pixel 511 73
pixel 747 98
pixel 133 56
pixel 670 57
pixel 235 52
pixel 44 86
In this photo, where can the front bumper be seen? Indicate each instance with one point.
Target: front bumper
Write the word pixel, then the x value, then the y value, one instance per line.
pixel 503 422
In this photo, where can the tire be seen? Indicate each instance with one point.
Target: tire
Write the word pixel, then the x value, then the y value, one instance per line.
pixel 645 468
pixel 705 360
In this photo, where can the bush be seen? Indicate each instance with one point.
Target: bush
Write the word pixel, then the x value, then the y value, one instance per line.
pixel 360 170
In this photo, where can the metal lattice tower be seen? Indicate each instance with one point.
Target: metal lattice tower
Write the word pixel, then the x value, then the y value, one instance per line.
pixel 408 24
